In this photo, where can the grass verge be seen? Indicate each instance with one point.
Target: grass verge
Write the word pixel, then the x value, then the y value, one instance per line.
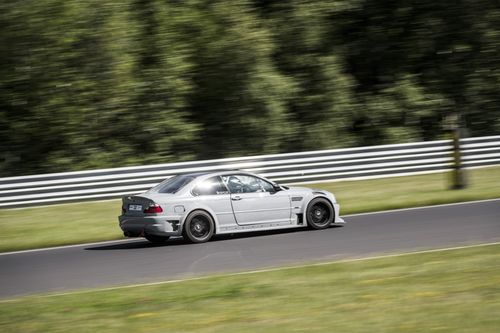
pixel 95 221
pixel 412 191
pixel 443 291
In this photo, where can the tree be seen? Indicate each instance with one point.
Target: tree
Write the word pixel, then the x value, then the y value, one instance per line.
pixel 239 98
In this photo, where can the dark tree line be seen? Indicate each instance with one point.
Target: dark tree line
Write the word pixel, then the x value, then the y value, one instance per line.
pixel 101 83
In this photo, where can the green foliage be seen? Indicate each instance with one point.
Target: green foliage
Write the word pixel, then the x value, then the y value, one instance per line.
pixel 112 83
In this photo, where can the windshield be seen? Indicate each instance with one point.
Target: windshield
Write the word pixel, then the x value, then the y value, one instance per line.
pixel 172 185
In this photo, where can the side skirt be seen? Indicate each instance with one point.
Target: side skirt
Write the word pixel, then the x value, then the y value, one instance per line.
pixel 231 229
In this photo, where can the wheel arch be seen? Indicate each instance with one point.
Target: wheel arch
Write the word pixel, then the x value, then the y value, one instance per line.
pixel 306 205
pixel 203 209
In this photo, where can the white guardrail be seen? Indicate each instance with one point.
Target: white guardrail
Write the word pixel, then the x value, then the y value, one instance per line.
pixel 315 166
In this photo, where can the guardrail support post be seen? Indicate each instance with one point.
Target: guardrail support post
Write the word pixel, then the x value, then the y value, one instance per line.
pixel 458 179
pixel 458 173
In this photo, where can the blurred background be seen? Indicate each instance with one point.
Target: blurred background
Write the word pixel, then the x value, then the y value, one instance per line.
pixel 110 83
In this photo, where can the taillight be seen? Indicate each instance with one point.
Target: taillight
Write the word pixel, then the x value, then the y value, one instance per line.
pixel 153 209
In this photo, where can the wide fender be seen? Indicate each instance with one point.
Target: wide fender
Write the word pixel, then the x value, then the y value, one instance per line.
pixel 310 196
pixel 191 207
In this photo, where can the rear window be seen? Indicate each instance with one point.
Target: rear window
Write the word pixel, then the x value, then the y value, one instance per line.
pixel 172 185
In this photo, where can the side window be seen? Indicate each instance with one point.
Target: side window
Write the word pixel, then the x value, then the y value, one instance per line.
pixel 210 186
pixel 246 184
pixel 268 187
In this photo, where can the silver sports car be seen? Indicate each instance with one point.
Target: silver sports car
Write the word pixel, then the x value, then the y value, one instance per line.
pixel 199 205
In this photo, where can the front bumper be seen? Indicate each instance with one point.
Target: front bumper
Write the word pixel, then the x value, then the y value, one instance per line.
pixel 151 225
pixel 338 220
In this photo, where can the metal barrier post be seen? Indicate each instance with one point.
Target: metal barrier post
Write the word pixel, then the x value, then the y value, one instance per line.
pixel 458 179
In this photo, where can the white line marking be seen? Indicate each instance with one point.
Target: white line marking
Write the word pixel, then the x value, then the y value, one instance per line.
pixel 258 271
pixel 104 243
pixel 422 207
pixel 71 246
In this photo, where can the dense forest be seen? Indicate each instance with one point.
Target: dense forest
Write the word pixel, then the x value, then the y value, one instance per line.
pixel 109 83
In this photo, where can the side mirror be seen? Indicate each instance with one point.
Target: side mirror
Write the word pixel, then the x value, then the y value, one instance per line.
pixel 277 188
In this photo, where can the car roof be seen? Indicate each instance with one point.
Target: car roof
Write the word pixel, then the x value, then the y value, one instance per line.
pixel 211 172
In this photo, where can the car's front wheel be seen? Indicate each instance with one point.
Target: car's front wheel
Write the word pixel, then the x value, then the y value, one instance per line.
pixel 156 239
pixel 199 227
pixel 319 213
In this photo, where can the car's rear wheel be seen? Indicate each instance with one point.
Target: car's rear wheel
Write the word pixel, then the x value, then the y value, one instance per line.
pixel 199 227
pixel 319 213
pixel 156 239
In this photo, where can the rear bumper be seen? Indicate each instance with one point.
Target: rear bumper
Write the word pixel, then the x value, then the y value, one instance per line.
pixel 152 225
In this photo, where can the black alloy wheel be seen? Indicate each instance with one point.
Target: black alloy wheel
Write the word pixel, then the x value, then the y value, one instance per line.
pixel 199 227
pixel 319 213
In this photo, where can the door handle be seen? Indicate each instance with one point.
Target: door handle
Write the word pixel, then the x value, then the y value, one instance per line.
pixel 236 198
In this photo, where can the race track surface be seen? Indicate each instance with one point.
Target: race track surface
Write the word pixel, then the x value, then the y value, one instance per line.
pixel 137 261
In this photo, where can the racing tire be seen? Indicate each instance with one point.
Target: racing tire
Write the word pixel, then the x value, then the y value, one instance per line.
pixel 319 213
pixel 199 227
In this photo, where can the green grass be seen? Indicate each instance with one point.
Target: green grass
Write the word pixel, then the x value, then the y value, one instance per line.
pixel 412 191
pixel 95 221
pixel 445 291
pixel 59 225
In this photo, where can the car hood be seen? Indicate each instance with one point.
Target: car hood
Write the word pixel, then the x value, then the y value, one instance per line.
pixel 298 189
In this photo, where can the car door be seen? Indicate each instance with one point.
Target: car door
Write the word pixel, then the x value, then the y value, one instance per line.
pixel 213 193
pixel 254 200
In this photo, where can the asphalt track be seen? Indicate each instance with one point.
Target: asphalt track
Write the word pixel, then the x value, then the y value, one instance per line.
pixel 137 261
